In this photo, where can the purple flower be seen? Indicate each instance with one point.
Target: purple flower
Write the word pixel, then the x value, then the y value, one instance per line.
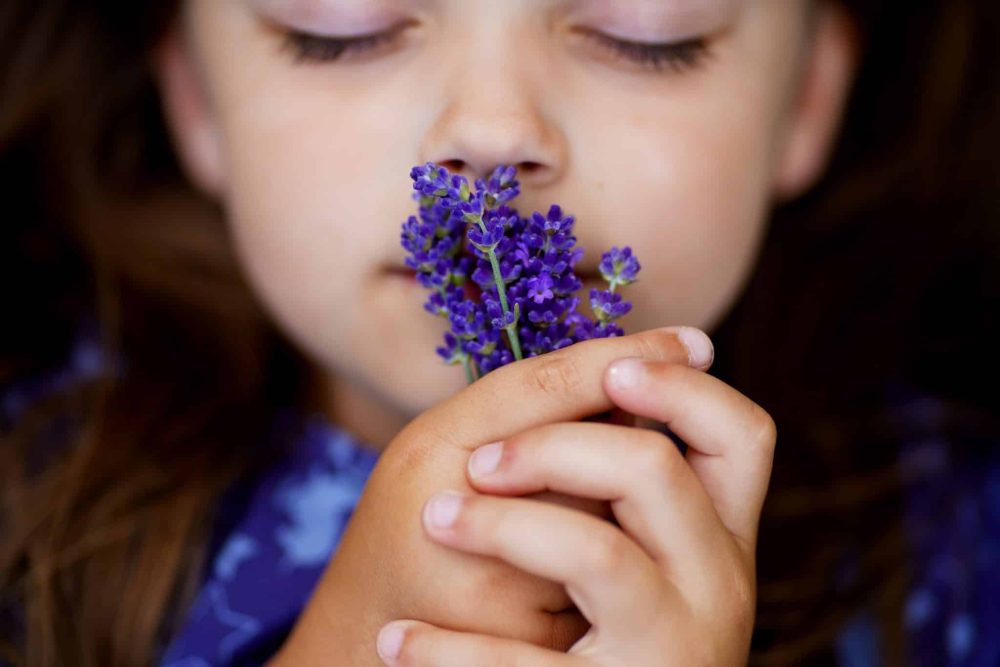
pixel 499 357
pixel 607 330
pixel 495 313
pixel 608 306
pixel 619 267
pixel 484 344
pixel 483 275
pixel 486 240
pixel 540 288
pixel 500 188
pixel 539 342
pixel 467 319
pixel 433 181
pixel 451 352
pixel 554 222
pixel 471 211
pixel 437 305
pixel 430 180
pixel 523 268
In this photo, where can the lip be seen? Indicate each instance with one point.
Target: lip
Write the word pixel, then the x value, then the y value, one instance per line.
pixel 401 273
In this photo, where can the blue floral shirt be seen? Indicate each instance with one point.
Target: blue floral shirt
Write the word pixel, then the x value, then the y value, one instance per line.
pixel 952 520
pixel 272 556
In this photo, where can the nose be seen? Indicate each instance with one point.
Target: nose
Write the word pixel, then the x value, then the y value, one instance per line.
pixel 493 115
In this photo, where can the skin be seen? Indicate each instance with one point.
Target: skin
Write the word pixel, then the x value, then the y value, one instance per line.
pixel 311 163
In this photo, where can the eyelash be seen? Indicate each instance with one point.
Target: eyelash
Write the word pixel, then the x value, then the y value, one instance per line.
pixel 677 56
pixel 309 48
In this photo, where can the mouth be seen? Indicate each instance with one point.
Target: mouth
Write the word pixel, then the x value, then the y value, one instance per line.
pixel 400 273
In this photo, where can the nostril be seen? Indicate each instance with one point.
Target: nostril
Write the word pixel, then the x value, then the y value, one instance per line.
pixel 525 169
pixel 454 166
pixel 529 168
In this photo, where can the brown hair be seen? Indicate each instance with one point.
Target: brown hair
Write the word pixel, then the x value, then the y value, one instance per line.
pixel 873 289
pixel 103 537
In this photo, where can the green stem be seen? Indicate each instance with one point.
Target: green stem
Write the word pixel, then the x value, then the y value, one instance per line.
pixel 515 341
pixel 469 377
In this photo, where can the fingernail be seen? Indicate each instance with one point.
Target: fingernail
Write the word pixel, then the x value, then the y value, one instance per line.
pixel 486 459
pixel 443 509
pixel 390 640
pixel 701 352
pixel 626 374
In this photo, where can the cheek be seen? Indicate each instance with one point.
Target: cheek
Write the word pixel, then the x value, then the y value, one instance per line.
pixel 309 213
pixel 315 238
pixel 686 178
pixel 299 223
pixel 709 207
pixel 305 162
pixel 317 187
pixel 693 203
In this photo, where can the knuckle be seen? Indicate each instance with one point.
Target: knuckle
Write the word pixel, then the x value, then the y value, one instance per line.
pixel 644 345
pixel 419 445
pixel 658 459
pixel 606 552
pixel 556 375
pixel 495 579
pixel 765 429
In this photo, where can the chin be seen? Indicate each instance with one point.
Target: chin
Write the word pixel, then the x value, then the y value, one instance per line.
pixel 417 387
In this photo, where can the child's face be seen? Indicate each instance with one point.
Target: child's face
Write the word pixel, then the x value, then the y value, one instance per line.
pixel 311 159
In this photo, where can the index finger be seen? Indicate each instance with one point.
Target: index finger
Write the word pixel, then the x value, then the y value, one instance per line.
pixel 564 385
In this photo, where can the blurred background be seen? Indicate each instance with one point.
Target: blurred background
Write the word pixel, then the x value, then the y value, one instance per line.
pixel 126 328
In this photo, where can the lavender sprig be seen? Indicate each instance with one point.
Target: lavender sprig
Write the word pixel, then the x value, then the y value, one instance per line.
pixel 489 196
pixel 466 240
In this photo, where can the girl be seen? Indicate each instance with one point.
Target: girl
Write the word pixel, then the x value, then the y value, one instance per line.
pixel 176 487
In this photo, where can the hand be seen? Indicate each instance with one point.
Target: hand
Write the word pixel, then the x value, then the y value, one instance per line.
pixel 386 567
pixel 674 585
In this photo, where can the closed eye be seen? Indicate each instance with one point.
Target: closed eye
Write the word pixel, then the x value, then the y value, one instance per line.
pixel 310 48
pixel 675 56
